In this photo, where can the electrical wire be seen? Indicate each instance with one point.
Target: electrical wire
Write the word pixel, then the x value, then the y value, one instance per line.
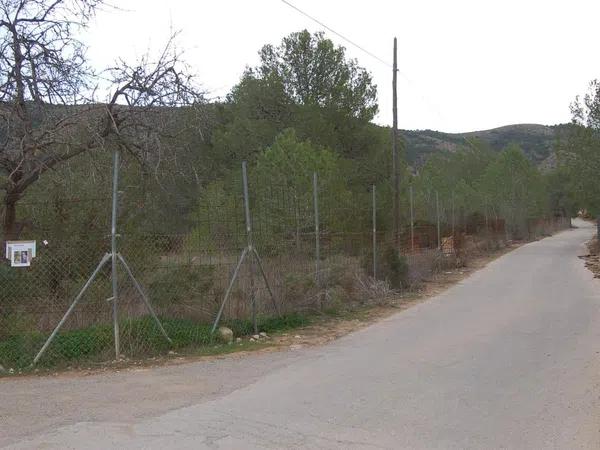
pixel 372 55
pixel 425 100
pixel 430 104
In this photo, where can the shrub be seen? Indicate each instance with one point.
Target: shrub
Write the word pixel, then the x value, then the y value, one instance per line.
pixel 176 284
pixel 297 288
pixel 391 267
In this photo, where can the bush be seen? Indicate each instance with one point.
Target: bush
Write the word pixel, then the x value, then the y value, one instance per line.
pixel 296 289
pixel 176 284
pixel 391 267
pixel 396 266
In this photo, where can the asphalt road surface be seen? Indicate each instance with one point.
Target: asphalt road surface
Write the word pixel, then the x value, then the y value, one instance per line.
pixel 508 358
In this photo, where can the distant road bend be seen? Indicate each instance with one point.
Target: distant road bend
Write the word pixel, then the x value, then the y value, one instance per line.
pixel 508 358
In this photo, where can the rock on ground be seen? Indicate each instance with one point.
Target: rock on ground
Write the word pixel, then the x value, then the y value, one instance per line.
pixel 225 335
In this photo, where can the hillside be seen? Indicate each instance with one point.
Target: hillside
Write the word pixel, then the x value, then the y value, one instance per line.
pixel 537 141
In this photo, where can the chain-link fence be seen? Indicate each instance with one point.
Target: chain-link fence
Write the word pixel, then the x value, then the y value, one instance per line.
pixel 319 247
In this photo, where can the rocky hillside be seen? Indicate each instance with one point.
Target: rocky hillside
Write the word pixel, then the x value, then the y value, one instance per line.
pixel 537 141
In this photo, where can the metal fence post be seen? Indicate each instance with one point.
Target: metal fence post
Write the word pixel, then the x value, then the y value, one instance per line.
pixel 412 222
pixel 113 249
pixel 317 234
pixel 437 212
pixel 297 219
pixel 114 257
pixel 374 232
pixel 453 219
pixel 251 252
pixel 246 204
pixel 250 243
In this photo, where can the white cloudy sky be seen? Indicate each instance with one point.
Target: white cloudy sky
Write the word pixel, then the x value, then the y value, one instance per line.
pixel 465 65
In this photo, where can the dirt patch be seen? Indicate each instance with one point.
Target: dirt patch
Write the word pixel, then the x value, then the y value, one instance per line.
pixel 592 259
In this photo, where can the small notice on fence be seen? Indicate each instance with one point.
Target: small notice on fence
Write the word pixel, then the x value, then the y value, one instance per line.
pixel 20 253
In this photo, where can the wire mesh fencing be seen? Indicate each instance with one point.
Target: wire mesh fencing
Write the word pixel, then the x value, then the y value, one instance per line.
pixel 317 247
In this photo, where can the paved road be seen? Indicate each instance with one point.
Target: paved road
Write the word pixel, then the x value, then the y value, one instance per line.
pixel 509 358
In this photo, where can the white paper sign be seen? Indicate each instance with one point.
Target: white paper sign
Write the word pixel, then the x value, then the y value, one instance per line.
pixel 20 253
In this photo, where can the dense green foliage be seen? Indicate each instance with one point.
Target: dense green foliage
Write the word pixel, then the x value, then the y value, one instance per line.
pixel 306 83
pixel 579 154
pixel 537 141
pixel 476 181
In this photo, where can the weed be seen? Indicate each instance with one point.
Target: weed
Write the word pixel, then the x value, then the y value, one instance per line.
pixel 139 336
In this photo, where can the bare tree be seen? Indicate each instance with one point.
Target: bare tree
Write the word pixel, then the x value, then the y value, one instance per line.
pixel 49 111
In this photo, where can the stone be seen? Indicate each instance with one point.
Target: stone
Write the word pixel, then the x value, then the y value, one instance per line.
pixel 263 335
pixel 225 335
pixel 239 339
pixel 256 337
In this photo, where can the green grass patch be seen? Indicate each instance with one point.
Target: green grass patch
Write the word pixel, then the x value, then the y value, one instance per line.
pixel 139 337
pixel 269 324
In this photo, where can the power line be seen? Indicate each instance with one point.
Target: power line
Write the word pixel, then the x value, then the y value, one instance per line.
pixel 426 101
pixel 350 41
pixel 431 105
pixel 372 55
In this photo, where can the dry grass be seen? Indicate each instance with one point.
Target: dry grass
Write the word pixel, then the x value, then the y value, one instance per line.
pixel 372 290
pixel 592 259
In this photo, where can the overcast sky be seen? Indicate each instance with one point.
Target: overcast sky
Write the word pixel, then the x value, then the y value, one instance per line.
pixel 464 65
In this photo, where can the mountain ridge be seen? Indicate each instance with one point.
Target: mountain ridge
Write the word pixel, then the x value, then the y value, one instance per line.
pixel 536 140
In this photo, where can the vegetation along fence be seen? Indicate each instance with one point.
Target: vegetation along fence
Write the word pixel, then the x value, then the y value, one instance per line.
pixel 320 247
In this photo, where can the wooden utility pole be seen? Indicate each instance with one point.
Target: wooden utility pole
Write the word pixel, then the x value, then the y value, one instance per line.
pixel 395 162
